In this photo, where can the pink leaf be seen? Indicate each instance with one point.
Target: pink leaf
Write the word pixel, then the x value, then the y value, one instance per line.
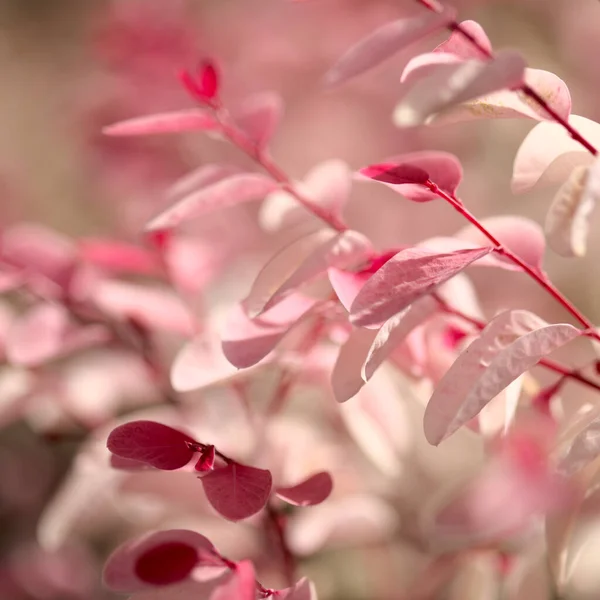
pixel 152 307
pixel 443 168
pixel 118 257
pixel 509 104
pixel 237 491
pixel 173 122
pixel 396 174
pixel 384 43
pixel 347 284
pixel 259 116
pixel 38 335
pixel 548 154
pixel 146 441
pixel 522 236
pixel 200 178
pixel 411 274
pixel 128 464
pixel 346 377
pixel 150 560
pixel 489 365
pixel 345 250
pixel 311 491
pixel 247 341
pixel 452 84
pixel 200 363
pixel 583 447
pixel 185 590
pixel 567 222
pixel 394 331
pixel 328 185
pixel 282 267
pixel 225 193
pixel 240 586
pixel 459 46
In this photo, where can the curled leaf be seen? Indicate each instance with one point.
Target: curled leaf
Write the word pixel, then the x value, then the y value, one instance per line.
pixel 567 221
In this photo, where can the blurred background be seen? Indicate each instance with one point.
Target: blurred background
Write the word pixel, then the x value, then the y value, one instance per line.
pixel 70 67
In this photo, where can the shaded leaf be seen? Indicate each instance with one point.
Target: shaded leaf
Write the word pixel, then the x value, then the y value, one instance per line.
pixel 259 116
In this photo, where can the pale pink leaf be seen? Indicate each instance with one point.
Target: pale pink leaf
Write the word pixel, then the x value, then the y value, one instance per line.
pixel 259 116
pixel 411 274
pixel 509 104
pixel 347 284
pixel 384 43
pixel 224 193
pixel 482 371
pixel 120 571
pixel 200 363
pixel 118 257
pixel 152 307
pixel 172 122
pixel 346 377
pixel 246 341
pixel 311 491
pixel 237 491
pixel 548 154
pixel 458 45
pixel 442 168
pixel 38 335
pixel 328 185
pixel 425 65
pixel 153 443
pixel 583 447
pixel 452 84
pixel 199 178
pixel 394 331
pixel 521 235
pixel 241 585
pixel 567 221
pixel 345 250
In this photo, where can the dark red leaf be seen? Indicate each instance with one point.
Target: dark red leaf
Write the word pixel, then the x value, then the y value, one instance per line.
pixel 309 492
pixel 208 79
pixel 237 491
pixel 168 563
pixel 153 443
pixel 396 174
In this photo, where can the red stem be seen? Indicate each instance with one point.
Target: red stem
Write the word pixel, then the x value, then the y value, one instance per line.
pixel 533 273
pixel 544 362
pixel 435 6
pixel 239 139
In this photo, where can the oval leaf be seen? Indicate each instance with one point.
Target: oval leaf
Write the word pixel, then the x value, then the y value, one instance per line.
pixel 484 369
pixel 443 168
pixel 237 491
pixel 406 277
pixel 384 43
pixel 227 192
pixel 311 491
pixel 172 122
pixel 153 443
pixel 259 116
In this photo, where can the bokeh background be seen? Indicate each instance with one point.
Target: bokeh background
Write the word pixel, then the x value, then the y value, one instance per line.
pixel 70 66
